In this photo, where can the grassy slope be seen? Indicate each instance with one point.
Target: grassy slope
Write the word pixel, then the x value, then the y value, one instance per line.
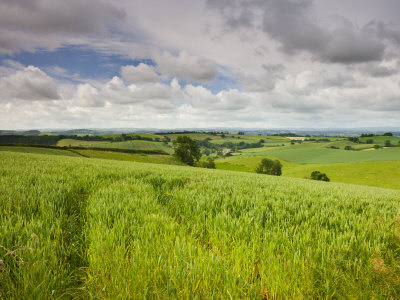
pixel 317 154
pixel 38 150
pixel 153 158
pixel 134 145
pixel 384 174
pixel 75 143
pixel 72 227
pixel 137 145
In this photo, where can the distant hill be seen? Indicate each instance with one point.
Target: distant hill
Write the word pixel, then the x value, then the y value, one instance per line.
pixel 16 132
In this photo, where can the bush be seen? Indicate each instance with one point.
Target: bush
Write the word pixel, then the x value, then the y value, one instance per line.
pixel 317 175
pixel 270 167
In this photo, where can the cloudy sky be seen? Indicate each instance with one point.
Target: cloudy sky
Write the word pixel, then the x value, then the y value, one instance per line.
pixel 199 63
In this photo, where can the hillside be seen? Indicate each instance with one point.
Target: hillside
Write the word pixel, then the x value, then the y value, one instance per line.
pixel 85 228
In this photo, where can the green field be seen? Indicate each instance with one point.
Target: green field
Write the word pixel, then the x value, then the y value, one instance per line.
pixel 383 174
pixel 37 150
pixel 310 154
pixel 130 145
pixel 146 158
pixel 78 143
pixel 72 227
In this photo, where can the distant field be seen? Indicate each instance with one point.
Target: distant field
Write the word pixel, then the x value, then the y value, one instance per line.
pixel 75 143
pixel 380 140
pixel 37 150
pixel 384 174
pixel 77 228
pixel 136 145
pixel 146 158
pixel 132 145
pixel 324 155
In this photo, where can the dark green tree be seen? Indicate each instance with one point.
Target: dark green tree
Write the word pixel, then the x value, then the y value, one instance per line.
pixel 388 143
pixel 187 150
pixel 317 175
pixel 270 167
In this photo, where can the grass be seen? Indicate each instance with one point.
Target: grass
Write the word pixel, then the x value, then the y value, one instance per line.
pixel 38 150
pixel 383 174
pixel 310 154
pixel 72 227
pixel 146 158
pixel 79 143
pixel 136 145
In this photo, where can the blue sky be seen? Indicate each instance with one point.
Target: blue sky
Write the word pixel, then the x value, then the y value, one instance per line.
pixel 208 63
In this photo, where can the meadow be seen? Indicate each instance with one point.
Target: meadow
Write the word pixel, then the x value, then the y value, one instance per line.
pixel 130 145
pixel 72 227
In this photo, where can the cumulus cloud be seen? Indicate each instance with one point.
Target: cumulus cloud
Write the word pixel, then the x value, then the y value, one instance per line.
pixel 28 24
pixel 186 66
pixel 139 74
pixel 264 81
pixel 293 26
pixel 30 83
pixel 379 70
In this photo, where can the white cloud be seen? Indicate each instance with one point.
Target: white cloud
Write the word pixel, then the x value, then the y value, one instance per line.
pixel 185 66
pixel 140 74
pixel 30 83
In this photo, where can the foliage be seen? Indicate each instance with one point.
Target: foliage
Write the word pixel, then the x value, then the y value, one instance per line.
pixel 388 134
pixel 388 143
pixel 208 164
pixel 353 139
pixel 270 167
pixel 187 150
pixel 317 175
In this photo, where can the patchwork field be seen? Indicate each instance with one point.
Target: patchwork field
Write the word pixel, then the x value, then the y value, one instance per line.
pixel 72 227
pixel 310 154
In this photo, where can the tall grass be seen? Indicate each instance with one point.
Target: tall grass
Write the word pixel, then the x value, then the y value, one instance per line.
pixel 72 227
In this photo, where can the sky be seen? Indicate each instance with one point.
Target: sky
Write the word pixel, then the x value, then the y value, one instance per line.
pixel 199 64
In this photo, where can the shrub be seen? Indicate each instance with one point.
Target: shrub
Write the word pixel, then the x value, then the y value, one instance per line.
pixel 317 175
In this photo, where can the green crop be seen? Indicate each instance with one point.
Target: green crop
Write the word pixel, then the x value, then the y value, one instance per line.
pixel 72 227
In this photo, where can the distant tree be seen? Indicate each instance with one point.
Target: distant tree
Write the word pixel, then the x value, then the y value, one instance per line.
pixel 353 139
pixel 317 175
pixel 377 146
pixel 369 141
pixel 348 148
pixel 388 134
pixel 209 164
pixel 206 152
pixel 388 143
pixel 270 167
pixel 187 150
pixel 261 141
pixel 223 136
